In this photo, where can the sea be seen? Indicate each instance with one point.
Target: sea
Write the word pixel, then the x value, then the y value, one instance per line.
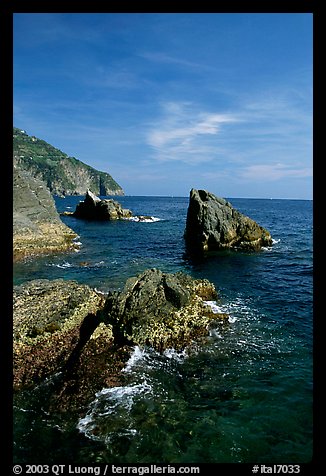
pixel 243 395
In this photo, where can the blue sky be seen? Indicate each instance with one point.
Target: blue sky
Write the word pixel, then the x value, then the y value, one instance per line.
pixel 167 102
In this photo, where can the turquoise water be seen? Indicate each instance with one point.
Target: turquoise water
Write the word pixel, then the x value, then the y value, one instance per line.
pixel 243 395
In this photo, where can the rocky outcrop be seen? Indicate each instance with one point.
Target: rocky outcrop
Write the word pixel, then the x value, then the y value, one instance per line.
pixel 58 333
pixel 63 175
pixel 37 228
pixel 47 325
pixel 93 208
pixel 213 224
pixel 82 339
pixel 161 310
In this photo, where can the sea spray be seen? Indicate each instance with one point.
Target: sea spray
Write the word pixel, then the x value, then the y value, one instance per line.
pixel 136 356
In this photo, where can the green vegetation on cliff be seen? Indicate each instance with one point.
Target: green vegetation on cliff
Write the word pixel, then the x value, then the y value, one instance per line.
pixel 62 174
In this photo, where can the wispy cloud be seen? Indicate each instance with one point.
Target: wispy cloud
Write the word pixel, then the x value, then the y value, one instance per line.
pixel 163 58
pixel 272 172
pixel 264 139
pixel 182 133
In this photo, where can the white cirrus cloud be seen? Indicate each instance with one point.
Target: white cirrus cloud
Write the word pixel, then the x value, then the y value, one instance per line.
pixel 184 134
pixel 271 172
pixel 164 58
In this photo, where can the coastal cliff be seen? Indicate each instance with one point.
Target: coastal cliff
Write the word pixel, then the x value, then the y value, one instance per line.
pixel 37 228
pixel 63 175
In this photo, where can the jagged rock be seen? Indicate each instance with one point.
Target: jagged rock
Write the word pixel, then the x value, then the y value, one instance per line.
pixel 93 208
pixel 50 317
pixel 160 310
pixel 213 224
pixel 82 339
pixel 58 333
pixel 37 228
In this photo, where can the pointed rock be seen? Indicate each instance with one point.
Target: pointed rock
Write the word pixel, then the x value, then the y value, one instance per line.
pixel 213 224
pixel 93 208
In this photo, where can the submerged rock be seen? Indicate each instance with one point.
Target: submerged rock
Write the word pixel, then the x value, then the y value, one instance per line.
pixel 161 310
pixel 94 208
pixel 213 224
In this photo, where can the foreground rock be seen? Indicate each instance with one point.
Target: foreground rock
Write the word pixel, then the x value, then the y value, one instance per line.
pixel 57 332
pixel 161 310
pixel 93 208
pixel 213 224
pixel 37 228
pixel 82 339
pixel 47 320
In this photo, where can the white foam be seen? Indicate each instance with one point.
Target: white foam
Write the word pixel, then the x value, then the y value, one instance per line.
pixel 214 307
pixel 65 264
pixel 221 309
pixel 174 354
pixel 136 357
pixel 143 219
pixel 100 263
pixel 124 395
pixel 100 292
pixel 149 358
pixel 85 422
pixel 108 401
pixel 270 248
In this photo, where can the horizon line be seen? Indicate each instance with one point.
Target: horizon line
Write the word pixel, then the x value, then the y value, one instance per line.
pixel 187 196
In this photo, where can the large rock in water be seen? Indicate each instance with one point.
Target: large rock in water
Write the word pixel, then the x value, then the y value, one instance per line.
pixel 213 224
pixel 161 310
pixel 93 208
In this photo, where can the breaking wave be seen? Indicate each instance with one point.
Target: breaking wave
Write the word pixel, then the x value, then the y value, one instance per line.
pixel 143 219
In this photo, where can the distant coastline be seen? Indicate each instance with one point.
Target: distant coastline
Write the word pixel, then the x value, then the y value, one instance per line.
pixel 63 175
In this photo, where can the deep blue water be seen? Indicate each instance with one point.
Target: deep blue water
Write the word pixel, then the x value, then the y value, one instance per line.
pixel 245 395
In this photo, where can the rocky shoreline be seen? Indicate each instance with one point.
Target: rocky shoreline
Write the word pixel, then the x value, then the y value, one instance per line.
pixel 83 338
pixel 68 329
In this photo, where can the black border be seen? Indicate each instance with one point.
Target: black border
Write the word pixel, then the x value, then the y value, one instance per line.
pixel 7 10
